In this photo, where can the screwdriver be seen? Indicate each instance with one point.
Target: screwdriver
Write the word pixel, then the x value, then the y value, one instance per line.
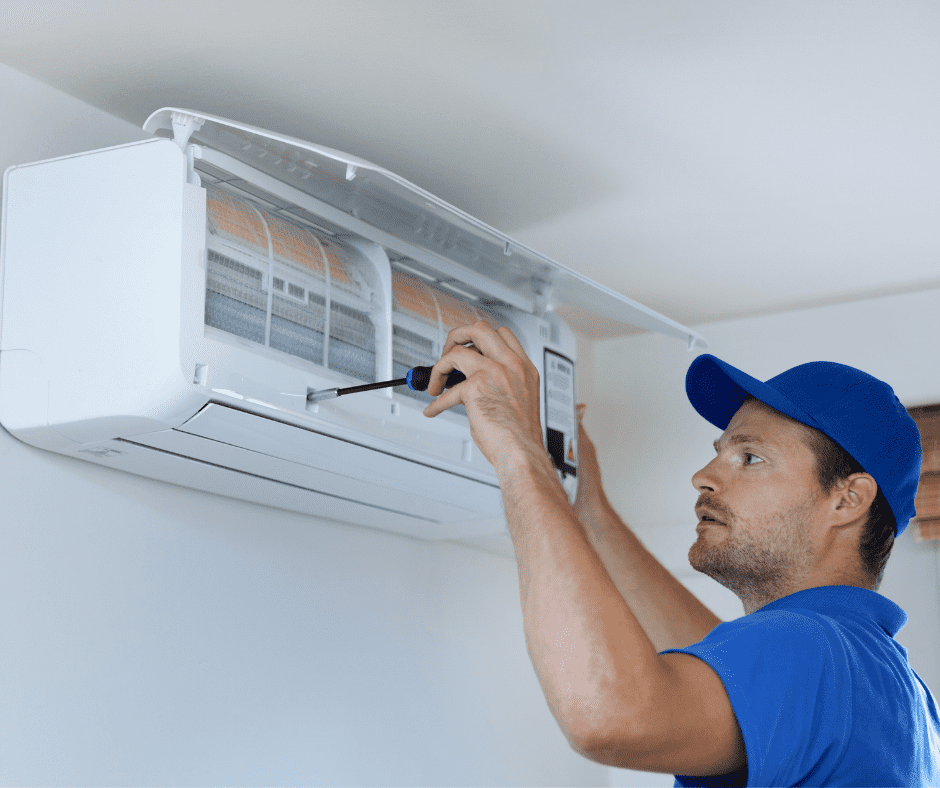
pixel 417 379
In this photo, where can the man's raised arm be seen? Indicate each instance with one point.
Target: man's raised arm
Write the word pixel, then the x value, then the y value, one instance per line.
pixel 669 613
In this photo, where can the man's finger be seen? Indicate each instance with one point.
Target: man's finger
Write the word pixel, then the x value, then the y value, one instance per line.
pixel 483 336
pixel 510 339
pixel 462 358
pixel 447 400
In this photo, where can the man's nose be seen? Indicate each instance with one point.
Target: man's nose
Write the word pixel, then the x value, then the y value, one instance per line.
pixel 706 478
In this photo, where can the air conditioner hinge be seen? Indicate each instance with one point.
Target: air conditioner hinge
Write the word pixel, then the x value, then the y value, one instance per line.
pixel 183 127
pixel 541 294
pixel 192 152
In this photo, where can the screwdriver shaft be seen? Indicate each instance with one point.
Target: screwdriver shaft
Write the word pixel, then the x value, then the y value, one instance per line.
pixel 417 380
pixel 370 386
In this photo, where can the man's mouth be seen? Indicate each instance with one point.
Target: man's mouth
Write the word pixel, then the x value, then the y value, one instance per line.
pixel 705 517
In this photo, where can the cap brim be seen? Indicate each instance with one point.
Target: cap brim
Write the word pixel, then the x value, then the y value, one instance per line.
pixel 717 390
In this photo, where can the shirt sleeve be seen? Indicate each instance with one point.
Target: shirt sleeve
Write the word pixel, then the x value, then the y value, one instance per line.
pixel 779 670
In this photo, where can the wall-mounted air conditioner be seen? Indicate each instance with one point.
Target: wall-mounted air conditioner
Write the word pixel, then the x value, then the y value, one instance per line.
pixel 168 305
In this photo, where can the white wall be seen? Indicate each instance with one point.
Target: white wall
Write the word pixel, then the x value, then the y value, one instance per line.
pixel 650 440
pixel 153 635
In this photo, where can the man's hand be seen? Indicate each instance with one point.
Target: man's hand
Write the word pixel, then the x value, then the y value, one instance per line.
pixel 501 392
pixel 590 491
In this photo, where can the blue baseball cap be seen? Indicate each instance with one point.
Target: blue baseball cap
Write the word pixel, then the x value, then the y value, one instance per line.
pixel 859 412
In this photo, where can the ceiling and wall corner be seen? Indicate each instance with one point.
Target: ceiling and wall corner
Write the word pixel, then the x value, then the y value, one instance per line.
pixel 713 161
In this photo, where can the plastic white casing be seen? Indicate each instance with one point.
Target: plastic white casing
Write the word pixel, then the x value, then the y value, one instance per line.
pixel 104 355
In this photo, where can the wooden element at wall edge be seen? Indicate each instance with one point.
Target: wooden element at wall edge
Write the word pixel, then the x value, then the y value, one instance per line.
pixel 924 530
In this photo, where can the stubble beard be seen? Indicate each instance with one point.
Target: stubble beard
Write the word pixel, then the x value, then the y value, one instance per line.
pixel 758 564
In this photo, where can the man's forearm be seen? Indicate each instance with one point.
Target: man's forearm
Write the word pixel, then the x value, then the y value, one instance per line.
pixel 595 662
pixel 671 615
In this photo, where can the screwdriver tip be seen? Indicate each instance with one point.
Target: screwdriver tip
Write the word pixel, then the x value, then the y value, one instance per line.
pixel 317 396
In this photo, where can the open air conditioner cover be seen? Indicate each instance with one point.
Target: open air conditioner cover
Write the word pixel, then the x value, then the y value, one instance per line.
pixel 403 210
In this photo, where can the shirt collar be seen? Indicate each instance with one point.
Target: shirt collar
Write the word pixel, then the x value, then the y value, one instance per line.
pixel 828 599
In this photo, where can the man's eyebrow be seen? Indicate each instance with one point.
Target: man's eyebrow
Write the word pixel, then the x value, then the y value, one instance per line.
pixel 736 439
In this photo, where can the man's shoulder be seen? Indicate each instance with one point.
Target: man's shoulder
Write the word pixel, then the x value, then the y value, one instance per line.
pixel 795 622
pixel 777 640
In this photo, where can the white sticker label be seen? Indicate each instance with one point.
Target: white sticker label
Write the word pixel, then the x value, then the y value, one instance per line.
pixel 561 426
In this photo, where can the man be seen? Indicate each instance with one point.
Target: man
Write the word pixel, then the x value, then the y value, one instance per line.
pixel 809 687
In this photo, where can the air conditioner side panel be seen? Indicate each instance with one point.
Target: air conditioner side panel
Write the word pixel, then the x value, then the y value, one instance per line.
pixel 92 286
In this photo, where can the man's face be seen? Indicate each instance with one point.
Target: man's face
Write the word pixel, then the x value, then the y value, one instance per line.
pixel 763 491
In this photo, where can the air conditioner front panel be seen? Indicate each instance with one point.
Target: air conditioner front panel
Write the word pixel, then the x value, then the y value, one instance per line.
pixel 227 437
pixel 179 465
pixel 343 458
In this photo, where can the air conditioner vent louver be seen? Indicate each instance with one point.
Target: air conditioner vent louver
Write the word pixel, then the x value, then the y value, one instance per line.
pixel 221 261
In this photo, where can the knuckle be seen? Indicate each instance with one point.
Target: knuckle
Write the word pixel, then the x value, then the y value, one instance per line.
pixel 518 365
pixel 462 351
pixel 503 376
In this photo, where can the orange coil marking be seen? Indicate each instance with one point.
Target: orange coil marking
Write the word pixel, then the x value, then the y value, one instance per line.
pixel 293 244
pixel 230 216
pixel 298 245
pixel 417 297
pixel 413 295
pixel 455 312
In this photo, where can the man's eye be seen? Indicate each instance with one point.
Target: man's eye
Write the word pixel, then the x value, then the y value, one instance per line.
pixel 748 457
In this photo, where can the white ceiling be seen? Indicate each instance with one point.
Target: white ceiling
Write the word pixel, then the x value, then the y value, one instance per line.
pixel 709 159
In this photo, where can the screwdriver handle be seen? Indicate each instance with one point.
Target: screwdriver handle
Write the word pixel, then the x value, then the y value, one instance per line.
pixel 418 378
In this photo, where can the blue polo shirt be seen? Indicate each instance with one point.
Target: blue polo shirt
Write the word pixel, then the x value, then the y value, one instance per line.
pixel 823 693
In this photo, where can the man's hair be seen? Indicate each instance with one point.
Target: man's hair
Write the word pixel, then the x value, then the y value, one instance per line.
pixel 833 466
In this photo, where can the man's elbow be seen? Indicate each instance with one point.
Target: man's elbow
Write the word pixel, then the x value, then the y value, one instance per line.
pixel 610 742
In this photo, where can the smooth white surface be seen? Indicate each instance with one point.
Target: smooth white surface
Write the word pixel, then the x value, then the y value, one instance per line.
pixel 91 281
pixel 155 635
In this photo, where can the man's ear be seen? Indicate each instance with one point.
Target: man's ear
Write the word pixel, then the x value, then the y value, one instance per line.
pixel 854 497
